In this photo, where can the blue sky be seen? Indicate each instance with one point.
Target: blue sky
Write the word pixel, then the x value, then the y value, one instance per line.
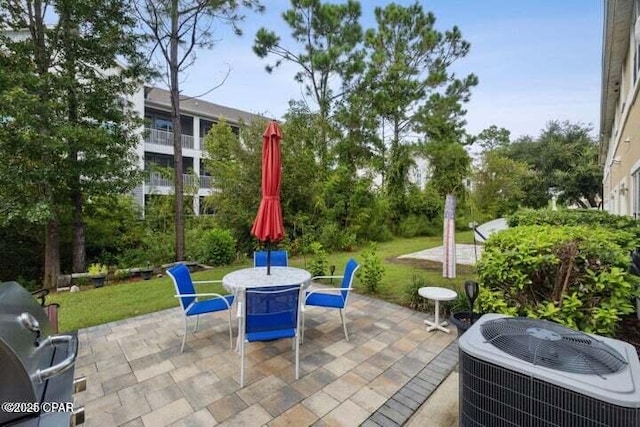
pixel 536 61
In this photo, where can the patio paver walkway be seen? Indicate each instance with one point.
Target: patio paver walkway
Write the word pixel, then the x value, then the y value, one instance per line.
pixel 136 375
pixel 465 254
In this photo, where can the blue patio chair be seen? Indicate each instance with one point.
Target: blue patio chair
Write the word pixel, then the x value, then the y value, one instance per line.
pixel 279 258
pixel 267 314
pixel 336 298
pixel 189 302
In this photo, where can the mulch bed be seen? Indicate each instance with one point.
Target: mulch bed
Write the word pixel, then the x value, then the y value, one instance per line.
pixel 425 264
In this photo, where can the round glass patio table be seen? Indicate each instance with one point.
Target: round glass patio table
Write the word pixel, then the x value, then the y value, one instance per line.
pixel 257 278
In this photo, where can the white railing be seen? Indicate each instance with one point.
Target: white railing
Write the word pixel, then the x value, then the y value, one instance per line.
pixel 205 181
pixel 158 180
pixel 163 137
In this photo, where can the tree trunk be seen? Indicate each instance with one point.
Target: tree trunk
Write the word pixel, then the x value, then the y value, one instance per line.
pixel 449 238
pixel 51 255
pixel 78 244
pixel 43 63
pixel 177 133
pixel 79 253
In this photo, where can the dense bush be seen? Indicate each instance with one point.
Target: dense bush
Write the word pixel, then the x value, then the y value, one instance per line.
pixel 576 276
pixel 334 238
pixel 215 247
pixel 157 248
pixel 21 253
pixel 584 217
pixel 372 269
pixel 416 225
pixel 319 263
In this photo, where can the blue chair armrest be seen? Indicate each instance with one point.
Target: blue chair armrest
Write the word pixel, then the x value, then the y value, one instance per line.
pixel 337 291
pixel 326 277
pixel 207 294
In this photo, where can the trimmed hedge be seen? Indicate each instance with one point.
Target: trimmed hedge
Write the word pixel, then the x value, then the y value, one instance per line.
pixel 574 275
pixel 581 217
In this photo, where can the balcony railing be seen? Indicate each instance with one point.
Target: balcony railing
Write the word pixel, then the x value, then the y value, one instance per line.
pixel 205 181
pixel 163 137
pixel 158 180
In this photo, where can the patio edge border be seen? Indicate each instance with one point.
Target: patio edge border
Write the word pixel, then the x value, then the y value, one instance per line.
pixel 400 407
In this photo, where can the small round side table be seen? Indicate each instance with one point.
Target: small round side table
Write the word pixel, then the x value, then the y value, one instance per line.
pixel 437 294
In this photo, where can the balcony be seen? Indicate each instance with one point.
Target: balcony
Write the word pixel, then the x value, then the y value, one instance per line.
pixel 205 181
pixel 158 180
pixel 165 138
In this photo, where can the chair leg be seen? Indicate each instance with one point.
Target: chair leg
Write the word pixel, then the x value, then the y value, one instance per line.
pixel 297 344
pixel 344 325
pixel 184 338
pixel 302 328
pixel 230 332
pixel 196 327
pixel 242 364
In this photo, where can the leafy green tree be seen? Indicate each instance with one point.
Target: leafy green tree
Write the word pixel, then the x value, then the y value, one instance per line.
pixel 328 36
pixel 499 185
pixel 68 130
pixel 235 171
pixel 360 146
pixel 176 29
pixel 235 167
pixel 493 138
pixel 100 129
pixel 563 156
pixel 407 71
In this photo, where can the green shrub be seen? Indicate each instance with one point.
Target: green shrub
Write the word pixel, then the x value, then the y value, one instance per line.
pixel 461 303
pixel 217 247
pixel 335 238
pixel 584 217
pixel 121 274
pixel 97 269
pixel 416 225
pixel 159 247
pixel 372 269
pixel 576 276
pixel 411 296
pixel 319 263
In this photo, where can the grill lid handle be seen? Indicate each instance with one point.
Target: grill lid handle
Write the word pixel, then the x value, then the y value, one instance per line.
pixel 29 322
pixel 42 375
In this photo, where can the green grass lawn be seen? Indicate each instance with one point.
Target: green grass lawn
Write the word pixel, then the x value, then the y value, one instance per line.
pixel 95 306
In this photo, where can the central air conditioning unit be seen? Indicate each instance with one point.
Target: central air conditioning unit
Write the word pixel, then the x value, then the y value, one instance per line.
pixel 522 372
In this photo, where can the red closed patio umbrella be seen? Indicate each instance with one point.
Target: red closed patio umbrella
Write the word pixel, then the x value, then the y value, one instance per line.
pixel 268 226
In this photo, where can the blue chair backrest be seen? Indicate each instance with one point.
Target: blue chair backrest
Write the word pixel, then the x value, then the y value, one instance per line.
pixel 279 258
pixel 347 280
pixel 271 308
pixel 183 283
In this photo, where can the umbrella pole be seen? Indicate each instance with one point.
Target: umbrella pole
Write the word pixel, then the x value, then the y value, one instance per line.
pixel 268 257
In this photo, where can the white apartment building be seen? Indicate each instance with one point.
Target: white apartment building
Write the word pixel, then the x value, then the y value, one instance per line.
pixel 156 146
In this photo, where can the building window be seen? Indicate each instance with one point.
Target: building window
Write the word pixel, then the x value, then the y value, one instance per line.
pixel 163 124
pixel 205 126
pixel 152 160
pixel 203 169
pixel 636 48
pixel 161 120
pixel 635 193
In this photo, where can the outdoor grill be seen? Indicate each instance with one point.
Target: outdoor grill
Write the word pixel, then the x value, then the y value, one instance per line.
pixel 36 365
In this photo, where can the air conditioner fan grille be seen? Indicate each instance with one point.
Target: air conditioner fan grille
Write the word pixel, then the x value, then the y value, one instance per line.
pixel 551 345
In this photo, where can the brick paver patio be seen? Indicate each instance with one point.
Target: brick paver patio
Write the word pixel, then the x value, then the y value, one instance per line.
pixel 136 375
